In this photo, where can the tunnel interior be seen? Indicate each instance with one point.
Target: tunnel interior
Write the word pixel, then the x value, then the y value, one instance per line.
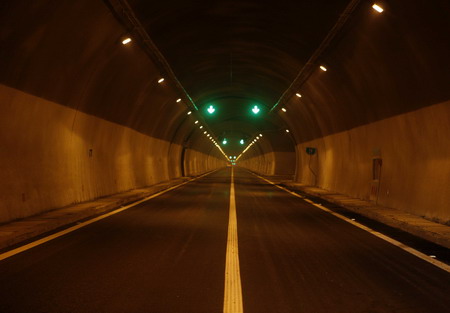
pixel 332 94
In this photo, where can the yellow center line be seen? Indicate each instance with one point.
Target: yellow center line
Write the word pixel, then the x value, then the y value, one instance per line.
pixel 233 290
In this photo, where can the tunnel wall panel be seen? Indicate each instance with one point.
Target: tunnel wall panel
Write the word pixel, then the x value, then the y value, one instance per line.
pixel 83 116
pixel 263 164
pixel 415 154
pixel 198 163
pixel 53 156
pixel 285 163
pixel 385 92
pixel 271 163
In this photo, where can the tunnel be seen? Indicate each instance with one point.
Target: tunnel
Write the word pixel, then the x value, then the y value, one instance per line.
pixel 143 142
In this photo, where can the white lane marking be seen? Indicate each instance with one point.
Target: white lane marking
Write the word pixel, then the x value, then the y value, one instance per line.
pixel 83 224
pixel 402 246
pixel 233 290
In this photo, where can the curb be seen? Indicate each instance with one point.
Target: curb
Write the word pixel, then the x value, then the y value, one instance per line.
pixel 43 223
pixel 420 227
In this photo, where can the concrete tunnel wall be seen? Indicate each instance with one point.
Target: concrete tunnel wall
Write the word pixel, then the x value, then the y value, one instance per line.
pixel 272 154
pixel 385 96
pixel 82 115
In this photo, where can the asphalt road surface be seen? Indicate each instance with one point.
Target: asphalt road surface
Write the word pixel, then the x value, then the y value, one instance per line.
pixel 168 254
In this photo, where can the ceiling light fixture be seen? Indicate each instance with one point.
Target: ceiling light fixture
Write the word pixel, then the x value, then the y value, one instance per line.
pixel 323 68
pixel 377 8
pixel 160 80
pixel 283 109
pixel 178 100
pixel 298 95
pixel 126 41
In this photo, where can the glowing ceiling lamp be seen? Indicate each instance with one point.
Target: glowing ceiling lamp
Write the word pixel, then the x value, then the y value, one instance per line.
pixel 377 8
pixel 126 41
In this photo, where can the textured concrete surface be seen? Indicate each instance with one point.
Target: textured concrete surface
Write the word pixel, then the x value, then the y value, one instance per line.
pixel 60 156
pixel 415 156
pixel 413 224
pixel 168 254
pixel 84 116
pixel 271 163
pixel 414 152
pixel 23 229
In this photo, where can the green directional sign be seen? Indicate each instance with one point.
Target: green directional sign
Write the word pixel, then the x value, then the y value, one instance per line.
pixel 211 109
pixel 256 109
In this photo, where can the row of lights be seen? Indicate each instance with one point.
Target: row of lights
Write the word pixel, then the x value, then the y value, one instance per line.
pixel 209 136
pixel 211 109
pixel 127 41
pixel 249 145
pixel 255 109
pixel 197 122
pixel 377 8
pixel 254 142
pixel 323 68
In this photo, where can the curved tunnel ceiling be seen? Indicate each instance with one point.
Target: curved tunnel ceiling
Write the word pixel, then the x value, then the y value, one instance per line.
pixel 236 54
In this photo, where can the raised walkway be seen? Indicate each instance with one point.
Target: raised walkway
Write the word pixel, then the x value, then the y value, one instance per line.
pixel 412 224
pixel 19 231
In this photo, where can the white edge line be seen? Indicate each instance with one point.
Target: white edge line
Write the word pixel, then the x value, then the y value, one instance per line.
pixel 402 246
pixel 38 242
